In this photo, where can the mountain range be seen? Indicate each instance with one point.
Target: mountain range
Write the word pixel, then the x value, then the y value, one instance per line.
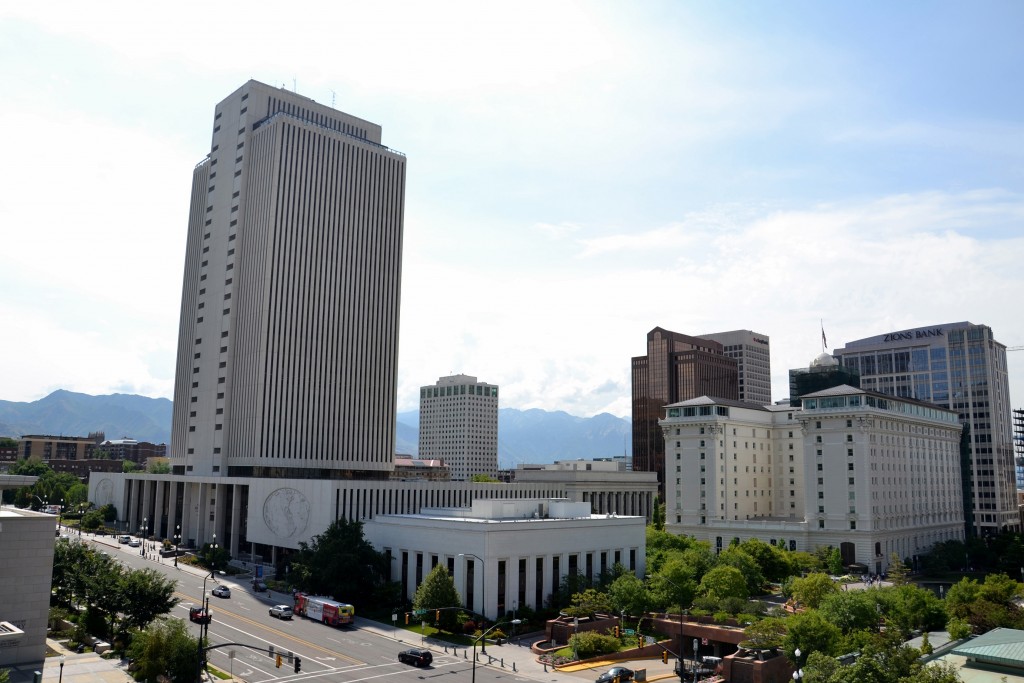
pixel 524 436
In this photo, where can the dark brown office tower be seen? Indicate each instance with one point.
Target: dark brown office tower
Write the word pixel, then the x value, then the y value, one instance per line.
pixel 677 367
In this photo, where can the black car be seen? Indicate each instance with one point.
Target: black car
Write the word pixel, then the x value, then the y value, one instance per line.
pixel 416 657
pixel 616 672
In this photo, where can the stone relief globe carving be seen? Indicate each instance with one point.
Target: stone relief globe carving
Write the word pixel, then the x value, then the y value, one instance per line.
pixel 105 493
pixel 286 512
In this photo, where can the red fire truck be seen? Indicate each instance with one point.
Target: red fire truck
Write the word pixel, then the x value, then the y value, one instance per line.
pixel 323 609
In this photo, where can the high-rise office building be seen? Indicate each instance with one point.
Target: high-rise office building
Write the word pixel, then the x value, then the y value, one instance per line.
pixel 459 424
pixel 959 366
pixel 285 389
pixel 288 337
pixel 677 367
pixel 752 351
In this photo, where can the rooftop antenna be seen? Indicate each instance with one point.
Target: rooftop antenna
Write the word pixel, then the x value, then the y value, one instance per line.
pixel 332 99
pixel 295 87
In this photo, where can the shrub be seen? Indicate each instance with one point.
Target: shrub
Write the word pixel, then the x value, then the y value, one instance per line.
pixel 469 626
pixel 592 643
pixel 722 617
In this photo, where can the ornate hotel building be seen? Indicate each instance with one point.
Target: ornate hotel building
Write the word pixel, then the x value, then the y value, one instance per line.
pixel 853 469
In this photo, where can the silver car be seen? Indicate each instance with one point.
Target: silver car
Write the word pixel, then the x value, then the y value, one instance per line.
pixel 281 611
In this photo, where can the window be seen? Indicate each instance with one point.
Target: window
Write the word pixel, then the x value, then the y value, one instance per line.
pixel 853 524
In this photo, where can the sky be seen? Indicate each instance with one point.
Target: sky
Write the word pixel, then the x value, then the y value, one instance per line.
pixel 578 174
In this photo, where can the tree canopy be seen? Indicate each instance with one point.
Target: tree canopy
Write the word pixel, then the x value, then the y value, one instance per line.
pixel 340 562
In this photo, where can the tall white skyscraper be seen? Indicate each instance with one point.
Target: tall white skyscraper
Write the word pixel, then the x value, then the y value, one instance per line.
pixel 962 367
pixel 288 339
pixel 752 350
pixel 459 424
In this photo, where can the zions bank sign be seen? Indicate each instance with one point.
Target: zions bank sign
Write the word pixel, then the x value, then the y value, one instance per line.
pixel 913 334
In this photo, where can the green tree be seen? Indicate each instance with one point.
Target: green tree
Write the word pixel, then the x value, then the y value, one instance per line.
pixel 658 514
pixel 128 466
pixel 724 582
pixel 830 559
pixel 629 594
pixel 158 466
pixel 764 634
pixel 674 585
pixel 145 595
pixel 897 570
pixel 810 590
pixel 165 649
pixel 340 562
pixel 438 592
pixel 589 602
pixel 908 608
pixel 773 562
pixel 483 479
pixel 810 632
pixel 734 556
pixel 850 610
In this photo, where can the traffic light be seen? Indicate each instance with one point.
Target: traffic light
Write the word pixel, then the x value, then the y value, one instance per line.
pixel 298 665
pixel 664 656
pixel 278 662
pixel 616 631
pixel 406 618
pixel 437 615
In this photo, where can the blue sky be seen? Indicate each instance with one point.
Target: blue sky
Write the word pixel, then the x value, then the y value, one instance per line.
pixel 578 174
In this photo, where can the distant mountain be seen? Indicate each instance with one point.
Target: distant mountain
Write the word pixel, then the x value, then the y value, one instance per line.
pixel 539 436
pixel 524 436
pixel 65 413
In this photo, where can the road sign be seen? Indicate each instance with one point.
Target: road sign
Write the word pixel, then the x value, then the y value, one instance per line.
pixel 630 632
pixel 419 612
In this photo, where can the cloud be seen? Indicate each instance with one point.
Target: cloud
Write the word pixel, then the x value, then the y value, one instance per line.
pixel 560 337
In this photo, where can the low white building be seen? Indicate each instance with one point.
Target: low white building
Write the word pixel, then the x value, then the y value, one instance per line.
pixel 504 554
pixel 861 471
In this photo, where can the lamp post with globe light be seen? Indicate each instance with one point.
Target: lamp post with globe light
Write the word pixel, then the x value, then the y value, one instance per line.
pixel 798 675
pixel 177 540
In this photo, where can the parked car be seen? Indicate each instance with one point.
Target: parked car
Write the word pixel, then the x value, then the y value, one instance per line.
pixel 124 539
pixel 281 611
pixel 416 657
pixel 134 543
pixel 616 672
pixel 222 592
pixel 259 586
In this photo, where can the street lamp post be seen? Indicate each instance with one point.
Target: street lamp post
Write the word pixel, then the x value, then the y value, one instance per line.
pixel 60 678
pixel 177 540
pixel 798 675
pixel 142 535
pixel 483 583
pixel 204 601
pixel 483 637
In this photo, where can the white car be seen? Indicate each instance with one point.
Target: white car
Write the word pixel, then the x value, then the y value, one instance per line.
pixel 134 543
pixel 281 611
pixel 124 539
